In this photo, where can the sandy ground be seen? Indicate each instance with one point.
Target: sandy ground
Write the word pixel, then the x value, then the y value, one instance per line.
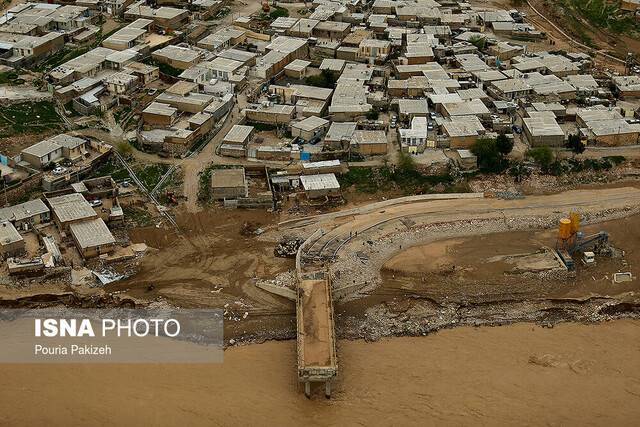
pixel 213 264
pixel 485 265
pixel 515 375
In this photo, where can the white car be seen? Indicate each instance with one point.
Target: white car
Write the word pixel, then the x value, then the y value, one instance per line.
pixel 95 203
pixel 59 170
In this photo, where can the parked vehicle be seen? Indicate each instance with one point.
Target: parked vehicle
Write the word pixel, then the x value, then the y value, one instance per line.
pixel 59 170
pixel 95 203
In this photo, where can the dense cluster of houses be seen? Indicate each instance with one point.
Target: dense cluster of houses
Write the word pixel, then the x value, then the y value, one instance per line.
pixel 340 80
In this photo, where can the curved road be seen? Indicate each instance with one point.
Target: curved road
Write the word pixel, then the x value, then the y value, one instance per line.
pixel 344 236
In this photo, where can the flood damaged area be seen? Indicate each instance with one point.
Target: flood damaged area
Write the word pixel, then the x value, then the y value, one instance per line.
pixel 495 279
pixel 490 279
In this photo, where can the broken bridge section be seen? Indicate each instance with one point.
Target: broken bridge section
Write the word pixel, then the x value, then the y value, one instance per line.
pixel 317 361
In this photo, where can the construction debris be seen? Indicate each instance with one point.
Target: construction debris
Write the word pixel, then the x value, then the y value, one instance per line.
pixel 287 247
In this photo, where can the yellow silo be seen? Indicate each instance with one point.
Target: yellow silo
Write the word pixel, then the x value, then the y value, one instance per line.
pixel 564 231
pixel 575 222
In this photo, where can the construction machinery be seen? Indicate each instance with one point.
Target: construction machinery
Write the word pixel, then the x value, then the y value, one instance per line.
pixel 573 242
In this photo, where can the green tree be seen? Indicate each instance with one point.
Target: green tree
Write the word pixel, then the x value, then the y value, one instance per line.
pixel 373 114
pixel 490 158
pixel 478 41
pixel 504 144
pixel 279 12
pixel 406 162
pixel 543 156
pixel 519 171
pixel 575 144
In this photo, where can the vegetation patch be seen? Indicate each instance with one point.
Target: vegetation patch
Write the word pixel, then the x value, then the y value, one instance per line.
pixel 325 79
pixel 405 177
pixel 28 117
pixel 491 153
pixel 603 14
pixel 150 175
pixel 278 12
pixel 10 77
pixel 111 167
pixel 138 216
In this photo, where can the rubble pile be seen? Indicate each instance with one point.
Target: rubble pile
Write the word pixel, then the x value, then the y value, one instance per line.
pixel 287 247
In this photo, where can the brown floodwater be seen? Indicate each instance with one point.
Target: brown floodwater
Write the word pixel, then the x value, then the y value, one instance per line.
pixel 521 374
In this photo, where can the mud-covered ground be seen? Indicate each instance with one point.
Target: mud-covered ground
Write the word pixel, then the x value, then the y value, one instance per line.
pixel 475 280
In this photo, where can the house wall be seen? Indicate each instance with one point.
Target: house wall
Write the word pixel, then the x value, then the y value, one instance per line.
pixel 39 162
pixel 94 251
pixel 157 119
pixel 12 249
pixel 618 139
pixel 370 149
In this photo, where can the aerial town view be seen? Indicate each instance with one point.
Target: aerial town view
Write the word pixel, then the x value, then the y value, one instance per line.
pixel 395 212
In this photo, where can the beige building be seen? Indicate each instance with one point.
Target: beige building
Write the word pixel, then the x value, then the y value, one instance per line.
pixel 178 57
pixel 275 114
pixel 369 142
pixel 159 114
pixel 69 209
pixel 92 238
pixel 542 129
pixel 11 242
pixel 228 184
pixel 310 129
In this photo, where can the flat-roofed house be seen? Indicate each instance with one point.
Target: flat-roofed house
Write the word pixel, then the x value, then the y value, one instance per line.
pixel 340 134
pixel 310 129
pixel 369 142
pixel 177 56
pixel 73 148
pixel 11 242
pixel 374 49
pixel 275 114
pixel 70 208
pixel 164 17
pixel 42 153
pixel 606 126
pixel 627 86
pixel 159 114
pixel 321 185
pixel 228 183
pixel 542 129
pixel 512 88
pixel 145 73
pixel 121 83
pixel 297 69
pixel 26 214
pixel 129 36
pixel 92 237
pixel 410 108
pixel 463 131
pixel 414 139
pixel 239 135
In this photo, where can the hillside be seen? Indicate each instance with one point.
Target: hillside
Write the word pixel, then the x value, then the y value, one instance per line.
pixel 599 24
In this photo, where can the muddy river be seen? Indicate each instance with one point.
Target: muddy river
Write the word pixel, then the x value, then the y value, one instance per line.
pixel 573 374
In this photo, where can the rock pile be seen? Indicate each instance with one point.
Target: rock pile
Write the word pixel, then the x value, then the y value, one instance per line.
pixel 287 247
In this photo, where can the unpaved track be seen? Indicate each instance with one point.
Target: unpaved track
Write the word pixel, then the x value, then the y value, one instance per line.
pixel 360 228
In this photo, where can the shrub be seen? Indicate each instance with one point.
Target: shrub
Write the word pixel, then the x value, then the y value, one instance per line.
pixel 543 156
pixel 490 159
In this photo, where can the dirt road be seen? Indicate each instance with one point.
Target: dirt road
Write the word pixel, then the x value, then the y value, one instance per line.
pixel 572 374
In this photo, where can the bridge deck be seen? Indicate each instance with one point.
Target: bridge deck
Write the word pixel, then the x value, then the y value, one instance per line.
pixel 316 338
